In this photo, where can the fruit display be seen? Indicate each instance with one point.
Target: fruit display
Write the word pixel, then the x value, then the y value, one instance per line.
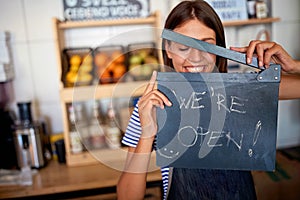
pixel 110 63
pixel 78 67
pixel 142 60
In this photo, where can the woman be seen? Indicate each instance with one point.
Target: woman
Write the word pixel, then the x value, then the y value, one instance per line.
pixel 198 20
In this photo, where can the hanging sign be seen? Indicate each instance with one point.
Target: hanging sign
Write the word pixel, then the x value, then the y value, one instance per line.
pixel 218 120
pixel 229 10
pixel 75 10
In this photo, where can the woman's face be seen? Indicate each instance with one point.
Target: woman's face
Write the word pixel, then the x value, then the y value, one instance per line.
pixel 187 59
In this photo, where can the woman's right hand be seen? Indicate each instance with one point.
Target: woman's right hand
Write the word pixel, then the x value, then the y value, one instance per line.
pixel 147 104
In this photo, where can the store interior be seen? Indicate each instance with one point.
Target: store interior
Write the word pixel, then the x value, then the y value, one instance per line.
pixel 70 82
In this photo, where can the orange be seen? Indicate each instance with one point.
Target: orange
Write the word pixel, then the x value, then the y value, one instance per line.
pixel 101 59
pixel 118 56
pixel 119 70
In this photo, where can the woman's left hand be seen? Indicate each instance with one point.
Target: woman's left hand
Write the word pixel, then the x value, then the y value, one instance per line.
pixel 268 52
pixel 147 104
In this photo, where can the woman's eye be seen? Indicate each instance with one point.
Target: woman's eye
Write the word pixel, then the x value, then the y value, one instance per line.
pixel 184 49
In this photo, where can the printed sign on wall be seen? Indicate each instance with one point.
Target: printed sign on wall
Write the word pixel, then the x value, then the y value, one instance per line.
pixel 229 10
pixel 105 9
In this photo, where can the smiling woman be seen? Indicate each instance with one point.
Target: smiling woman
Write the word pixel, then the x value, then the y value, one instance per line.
pixel 198 20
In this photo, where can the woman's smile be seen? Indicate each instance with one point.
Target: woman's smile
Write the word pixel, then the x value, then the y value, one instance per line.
pixel 194 69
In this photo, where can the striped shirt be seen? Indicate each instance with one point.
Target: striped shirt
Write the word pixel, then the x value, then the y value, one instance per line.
pixel 131 138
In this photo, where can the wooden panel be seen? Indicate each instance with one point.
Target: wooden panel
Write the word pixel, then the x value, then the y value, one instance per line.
pixel 251 22
pixel 94 23
pixel 83 93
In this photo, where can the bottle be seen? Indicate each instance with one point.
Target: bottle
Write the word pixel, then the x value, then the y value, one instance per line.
pixel 82 125
pixel 261 9
pixel 251 8
pixel 97 128
pixel 113 132
pixel 76 146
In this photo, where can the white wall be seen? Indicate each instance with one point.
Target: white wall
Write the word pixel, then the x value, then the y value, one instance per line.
pixel 29 22
pixel 286 32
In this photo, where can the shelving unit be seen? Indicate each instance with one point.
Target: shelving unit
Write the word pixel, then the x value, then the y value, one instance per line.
pixel 85 93
pixel 251 22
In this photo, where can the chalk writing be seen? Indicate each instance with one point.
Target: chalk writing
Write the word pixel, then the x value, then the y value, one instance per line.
pixel 188 136
pixel 257 132
pixel 194 101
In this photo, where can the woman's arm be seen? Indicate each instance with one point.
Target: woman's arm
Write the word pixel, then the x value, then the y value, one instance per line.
pixel 132 183
pixel 289 87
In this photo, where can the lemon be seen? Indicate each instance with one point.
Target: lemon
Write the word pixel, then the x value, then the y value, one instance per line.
pixel 75 60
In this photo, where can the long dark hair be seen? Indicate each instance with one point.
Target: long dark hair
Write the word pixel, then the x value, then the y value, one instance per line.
pixel 201 10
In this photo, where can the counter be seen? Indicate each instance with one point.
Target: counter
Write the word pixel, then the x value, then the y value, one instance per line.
pixel 60 181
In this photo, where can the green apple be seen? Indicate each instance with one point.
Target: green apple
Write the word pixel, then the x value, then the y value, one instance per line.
pixel 135 60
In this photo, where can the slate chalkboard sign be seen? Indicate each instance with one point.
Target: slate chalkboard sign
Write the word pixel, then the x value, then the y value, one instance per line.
pixel 218 120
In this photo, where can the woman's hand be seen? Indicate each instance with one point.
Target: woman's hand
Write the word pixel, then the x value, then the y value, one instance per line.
pixel 147 104
pixel 268 52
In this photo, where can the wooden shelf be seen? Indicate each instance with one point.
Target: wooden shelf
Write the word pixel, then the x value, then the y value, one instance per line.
pixel 151 20
pixel 116 22
pixel 251 22
pixel 83 93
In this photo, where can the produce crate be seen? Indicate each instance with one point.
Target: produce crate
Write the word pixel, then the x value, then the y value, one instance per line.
pixel 109 63
pixel 142 60
pixel 77 67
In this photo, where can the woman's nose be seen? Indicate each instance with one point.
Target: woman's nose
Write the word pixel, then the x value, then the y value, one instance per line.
pixel 195 56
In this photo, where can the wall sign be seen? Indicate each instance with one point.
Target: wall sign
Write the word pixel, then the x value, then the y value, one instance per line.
pixel 105 9
pixel 218 121
pixel 229 10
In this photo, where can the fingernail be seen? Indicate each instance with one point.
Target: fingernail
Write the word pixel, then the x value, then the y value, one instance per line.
pixel 260 63
pixel 154 73
pixel 169 103
pixel 248 60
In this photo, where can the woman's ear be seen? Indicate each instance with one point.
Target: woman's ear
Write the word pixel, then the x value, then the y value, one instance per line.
pixel 167 48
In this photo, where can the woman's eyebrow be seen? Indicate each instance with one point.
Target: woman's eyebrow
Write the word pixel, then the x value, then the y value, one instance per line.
pixel 208 39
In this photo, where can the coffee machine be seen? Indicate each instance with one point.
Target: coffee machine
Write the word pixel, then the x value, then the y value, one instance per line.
pixel 29 138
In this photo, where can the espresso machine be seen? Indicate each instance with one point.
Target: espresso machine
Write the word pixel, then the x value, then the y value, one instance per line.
pixel 29 138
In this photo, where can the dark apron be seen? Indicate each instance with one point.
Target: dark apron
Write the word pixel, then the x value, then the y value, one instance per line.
pixel 206 184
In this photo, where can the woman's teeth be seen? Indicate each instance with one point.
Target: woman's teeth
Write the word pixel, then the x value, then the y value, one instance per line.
pixel 195 69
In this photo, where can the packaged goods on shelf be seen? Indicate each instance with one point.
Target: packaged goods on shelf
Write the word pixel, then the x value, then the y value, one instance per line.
pixel 142 60
pixel 97 126
pixel 110 63
pixel 77 69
